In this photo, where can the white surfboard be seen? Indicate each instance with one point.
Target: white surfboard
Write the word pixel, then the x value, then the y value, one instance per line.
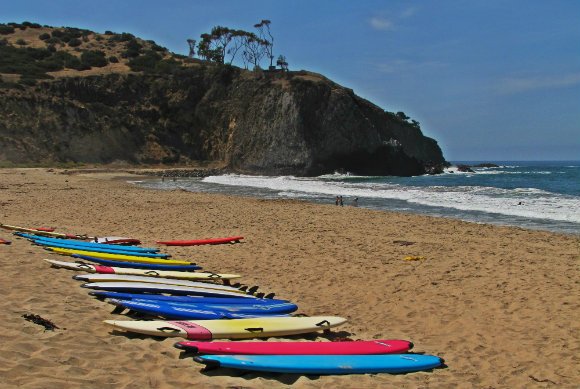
pixel 153 280
pixel 180 275
pixel 148 287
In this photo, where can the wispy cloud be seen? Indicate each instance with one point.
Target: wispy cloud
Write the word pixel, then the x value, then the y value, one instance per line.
pixel 404 66
pixel 381 23
pixel 408 12
pixel 514 85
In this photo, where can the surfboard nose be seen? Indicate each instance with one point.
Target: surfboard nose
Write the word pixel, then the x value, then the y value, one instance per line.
pixel 192 349
pixel 411 345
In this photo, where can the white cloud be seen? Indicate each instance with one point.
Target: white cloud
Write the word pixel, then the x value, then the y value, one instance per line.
pixel 407 13
pixel 406 66
pixel 381 23
pixel 517 85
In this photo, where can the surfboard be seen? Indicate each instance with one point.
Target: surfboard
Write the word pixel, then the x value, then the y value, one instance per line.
pixel 184 311
pixel 102 249
pixel 146 287
pixel 201 312
pixel 2 241
pixel 86 244
pixel 325 364
pixel 181 275
pixel 229 329
pixel 153 280
pixel 43 233
pixel 116 240
pixel 359 347
pixel 184 299
pixel 119 257
pixel 137 265
pixel 198 242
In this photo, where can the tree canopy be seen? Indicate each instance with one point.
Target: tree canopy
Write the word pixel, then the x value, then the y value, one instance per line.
pixel 223 44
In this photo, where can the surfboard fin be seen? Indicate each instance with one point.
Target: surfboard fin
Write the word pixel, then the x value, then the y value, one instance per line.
pixel 253 289
pixel 270 296
pixel 118 310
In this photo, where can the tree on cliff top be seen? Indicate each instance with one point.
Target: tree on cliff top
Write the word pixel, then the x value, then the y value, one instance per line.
pixel 222 45
pixel 265 34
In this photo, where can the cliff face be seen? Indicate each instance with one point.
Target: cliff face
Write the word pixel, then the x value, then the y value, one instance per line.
pixel 296 123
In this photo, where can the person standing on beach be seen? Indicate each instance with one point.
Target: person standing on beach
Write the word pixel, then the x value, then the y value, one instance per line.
pixel 340 201
pixel 337 200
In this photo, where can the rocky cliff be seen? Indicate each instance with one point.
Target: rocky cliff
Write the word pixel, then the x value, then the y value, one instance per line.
pixel 295 123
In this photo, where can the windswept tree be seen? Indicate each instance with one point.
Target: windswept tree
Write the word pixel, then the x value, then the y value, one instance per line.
pixel 191 43
pixel 265 35
pixel 219 43
pixel 254 50
pixel 223 44
pixel 281 62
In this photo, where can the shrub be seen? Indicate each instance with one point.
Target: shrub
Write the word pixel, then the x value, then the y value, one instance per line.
pixel 53 41
pixel 109 32
pixel 133 49
pixel 75 42
pixel 75 63
pixel 21 42
pixel 27 81
pixel 44 36
pixel 5 30
pixel 113 59
pixel 156 47
pixel 145 62
pixel 51 48
pixel 94 58
pixel 57 33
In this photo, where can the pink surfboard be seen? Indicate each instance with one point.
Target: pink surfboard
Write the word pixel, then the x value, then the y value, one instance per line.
pixel 359 347
pixel 198 242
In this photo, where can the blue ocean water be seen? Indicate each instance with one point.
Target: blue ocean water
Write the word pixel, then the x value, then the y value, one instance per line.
pixel 538 195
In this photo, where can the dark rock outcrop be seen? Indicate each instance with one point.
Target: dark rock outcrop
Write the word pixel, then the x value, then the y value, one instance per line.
pixel 281 123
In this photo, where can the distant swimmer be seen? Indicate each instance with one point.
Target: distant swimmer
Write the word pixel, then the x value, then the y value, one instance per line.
pixel 520 203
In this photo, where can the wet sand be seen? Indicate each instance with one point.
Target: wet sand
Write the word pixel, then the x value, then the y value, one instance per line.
pixel 500 304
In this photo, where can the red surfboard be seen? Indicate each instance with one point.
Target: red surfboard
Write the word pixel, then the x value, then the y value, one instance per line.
pixel 359 347
pixel 198 242
pixel 2 241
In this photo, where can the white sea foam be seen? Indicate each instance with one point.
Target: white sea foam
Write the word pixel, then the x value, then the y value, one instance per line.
pixel 536 204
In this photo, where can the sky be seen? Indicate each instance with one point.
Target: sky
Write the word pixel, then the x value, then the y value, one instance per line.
pixel 489 80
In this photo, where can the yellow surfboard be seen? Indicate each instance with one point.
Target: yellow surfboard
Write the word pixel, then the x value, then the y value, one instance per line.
pixel 261 327
pixel 119 257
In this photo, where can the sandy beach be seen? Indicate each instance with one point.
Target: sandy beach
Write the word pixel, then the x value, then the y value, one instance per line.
pixel 499 304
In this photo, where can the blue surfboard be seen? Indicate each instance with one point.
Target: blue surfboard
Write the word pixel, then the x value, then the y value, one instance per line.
pixel 188 312
pixel 137 265
pixel 101 249
pixel 185 299
pixel 182 310
pixel 88 244
pixel 325 364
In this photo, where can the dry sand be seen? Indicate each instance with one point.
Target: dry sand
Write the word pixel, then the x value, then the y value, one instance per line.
pixel 499 304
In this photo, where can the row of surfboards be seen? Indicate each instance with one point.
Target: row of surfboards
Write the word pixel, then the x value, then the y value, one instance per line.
pixel 193 305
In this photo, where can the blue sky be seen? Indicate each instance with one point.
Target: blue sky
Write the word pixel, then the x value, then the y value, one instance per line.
pixel 489 80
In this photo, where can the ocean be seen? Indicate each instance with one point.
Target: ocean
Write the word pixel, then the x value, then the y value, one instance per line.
pixel 536 195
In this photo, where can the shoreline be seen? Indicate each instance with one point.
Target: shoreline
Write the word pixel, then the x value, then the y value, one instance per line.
pixel 495 302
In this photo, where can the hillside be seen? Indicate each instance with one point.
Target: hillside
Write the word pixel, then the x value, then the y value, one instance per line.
pixel 73 95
